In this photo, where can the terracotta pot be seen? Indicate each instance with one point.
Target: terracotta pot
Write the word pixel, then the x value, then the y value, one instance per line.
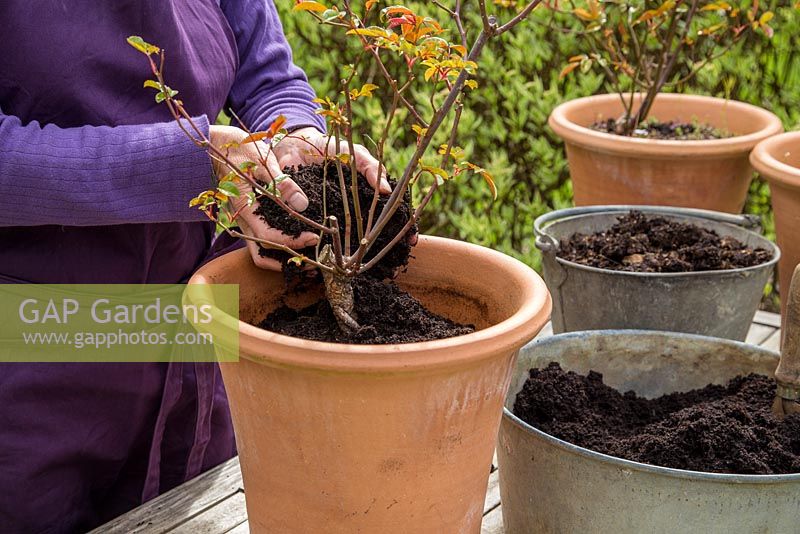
pixel 386 438
pixel 613 169
pixel 778 160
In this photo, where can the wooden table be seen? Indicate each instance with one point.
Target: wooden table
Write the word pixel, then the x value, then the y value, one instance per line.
pixel 213 503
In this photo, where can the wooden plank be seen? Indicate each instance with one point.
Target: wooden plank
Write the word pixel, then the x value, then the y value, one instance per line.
pixel 767 318
pixel 222 517
pixel 244 528
pixel 493 522
pixel 773 342
pixel 492 493
pixel 175 507
pixel 758 333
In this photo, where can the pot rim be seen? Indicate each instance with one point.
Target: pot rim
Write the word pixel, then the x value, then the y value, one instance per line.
pixel 724 478
pixel 513 332
pixel 774 170
pixel 617 144
pixel 683 212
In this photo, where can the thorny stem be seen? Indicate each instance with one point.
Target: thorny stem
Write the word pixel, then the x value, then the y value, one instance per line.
pixel 665 67
pixel 396 197
pixel 337 240
pixel 522 15
pixel 343 188
pixel 352 161
pixel 355 260
pixel 403 231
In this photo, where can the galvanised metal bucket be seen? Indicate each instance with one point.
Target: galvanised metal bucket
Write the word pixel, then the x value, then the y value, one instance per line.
pixel 712 303
pixel 550 486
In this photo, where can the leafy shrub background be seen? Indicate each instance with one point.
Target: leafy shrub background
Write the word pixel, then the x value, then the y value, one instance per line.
pixel 505 128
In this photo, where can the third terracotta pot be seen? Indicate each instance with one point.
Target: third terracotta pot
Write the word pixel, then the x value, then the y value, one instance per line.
pixel 778 160
pixel 709 174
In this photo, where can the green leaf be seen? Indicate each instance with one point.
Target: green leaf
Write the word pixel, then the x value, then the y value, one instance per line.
pixel 229 188
pixel 142 46
pixel 247 166
pixel 331 15
pixel 436 171
pixel 152 83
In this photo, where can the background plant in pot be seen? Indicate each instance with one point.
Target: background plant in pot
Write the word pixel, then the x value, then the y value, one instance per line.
pixel 778 160
pixel 338 437
pixel 640 145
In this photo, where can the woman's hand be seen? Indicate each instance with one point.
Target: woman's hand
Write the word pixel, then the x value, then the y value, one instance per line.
pixel 302 147
pixel 250 223
pixel 307 145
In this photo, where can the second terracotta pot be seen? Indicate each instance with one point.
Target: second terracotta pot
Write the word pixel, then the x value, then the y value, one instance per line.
pixel 613 169
pixel 383 439
pixel 778 160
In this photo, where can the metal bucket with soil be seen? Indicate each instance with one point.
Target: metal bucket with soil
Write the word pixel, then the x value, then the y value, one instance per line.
pixel 550 485
pixel 709 282
pixel 699 419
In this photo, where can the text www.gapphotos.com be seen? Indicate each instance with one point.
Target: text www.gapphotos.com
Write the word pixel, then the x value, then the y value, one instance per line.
pixel 98 340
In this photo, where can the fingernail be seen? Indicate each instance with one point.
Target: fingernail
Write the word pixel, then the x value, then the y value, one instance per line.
pixel 385 187
pixel 298 201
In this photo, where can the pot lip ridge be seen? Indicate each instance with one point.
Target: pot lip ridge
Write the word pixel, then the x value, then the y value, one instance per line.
pixel 506 336
pixel 616 144
pixel 594 456
pixel 774 170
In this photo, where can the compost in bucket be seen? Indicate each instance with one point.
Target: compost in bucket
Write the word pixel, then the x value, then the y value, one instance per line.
pixel 654 244
pixel 719 429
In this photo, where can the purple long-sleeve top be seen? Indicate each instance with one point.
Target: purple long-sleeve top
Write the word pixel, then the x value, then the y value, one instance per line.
pixel 95 183
pixel 83 146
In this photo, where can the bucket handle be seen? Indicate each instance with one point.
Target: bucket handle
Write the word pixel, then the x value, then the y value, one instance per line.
pixel 548 244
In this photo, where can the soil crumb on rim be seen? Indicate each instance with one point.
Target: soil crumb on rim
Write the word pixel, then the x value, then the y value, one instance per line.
pixel 654 244
pixel 717 429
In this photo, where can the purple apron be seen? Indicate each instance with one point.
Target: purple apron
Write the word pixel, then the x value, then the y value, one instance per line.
pixel 82 443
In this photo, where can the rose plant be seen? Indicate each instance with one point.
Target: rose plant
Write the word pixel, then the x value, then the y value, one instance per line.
pixel 646 46
pixel 437 60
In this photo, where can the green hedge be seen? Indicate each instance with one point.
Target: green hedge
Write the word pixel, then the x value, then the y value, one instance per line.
pixel 506 129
